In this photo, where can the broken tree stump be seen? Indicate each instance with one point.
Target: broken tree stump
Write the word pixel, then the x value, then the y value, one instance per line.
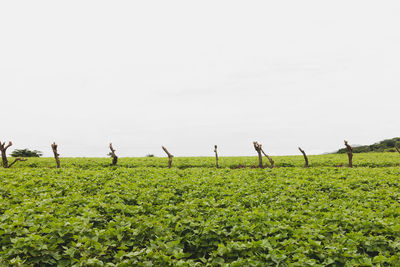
pixel 54 148
pixel 258 148
pixel 112 154
pixel 305 157
pixel 349 153
pixel 170 156
pixel 269 158
pixel 3 149
pixel 216 156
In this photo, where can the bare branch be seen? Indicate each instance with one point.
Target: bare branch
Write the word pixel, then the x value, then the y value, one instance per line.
pixel 269 158
pixel 9 144
pixel 17 159
pixel 349 153
pixel 305 157
pixel 170 156
pixel 398 150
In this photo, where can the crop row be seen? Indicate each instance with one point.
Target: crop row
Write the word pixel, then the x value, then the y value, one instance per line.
pixel 200 216
pixel 331 160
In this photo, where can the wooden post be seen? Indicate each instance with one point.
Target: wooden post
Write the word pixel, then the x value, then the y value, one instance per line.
pixel 258 148
pixel 216 156
pixel 54 148
pixel 269 158
pixel 112 154
pixel 305 157
pixel 3 149
pixel 349 153
pixel 170 156
pixel 398 150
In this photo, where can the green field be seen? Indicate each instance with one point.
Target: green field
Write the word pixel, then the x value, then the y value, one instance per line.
pixel 330 160
pixel 141 213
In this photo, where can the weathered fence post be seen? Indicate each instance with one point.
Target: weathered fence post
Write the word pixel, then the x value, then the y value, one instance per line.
pixel 3 149
pixel 170 156
pixel 54 148
pixel 112 154
pixel 349 153
pixel 258 148
pixel 216 156
pixel 305 157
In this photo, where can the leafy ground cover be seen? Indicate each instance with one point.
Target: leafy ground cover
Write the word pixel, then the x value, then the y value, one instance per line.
pixel 329 160
pixel 91 215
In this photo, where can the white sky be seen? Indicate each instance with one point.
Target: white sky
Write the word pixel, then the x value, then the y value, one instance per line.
pixel 191 74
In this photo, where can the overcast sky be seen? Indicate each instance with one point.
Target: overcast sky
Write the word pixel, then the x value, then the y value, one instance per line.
pixel 191 74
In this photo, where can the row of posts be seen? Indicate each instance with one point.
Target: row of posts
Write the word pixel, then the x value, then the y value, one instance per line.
pixel 257 146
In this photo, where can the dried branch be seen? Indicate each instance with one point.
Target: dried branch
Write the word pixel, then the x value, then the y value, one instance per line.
pixel 258 148
pixel 216 156
pixel 170 156
pixel 3 149
pixel 54 148
pixel 112 154
pixel 349 153
pixel 17 159
pixel 8 145
pixel 398 150
pixel 305 157
pixel 269 158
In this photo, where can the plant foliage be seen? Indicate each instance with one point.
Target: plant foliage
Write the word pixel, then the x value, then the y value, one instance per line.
pixel 387 145
pixel 26 153
pixel 88 215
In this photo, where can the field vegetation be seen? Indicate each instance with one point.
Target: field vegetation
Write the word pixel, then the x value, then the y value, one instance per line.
pixel 388 145
pixel 140 213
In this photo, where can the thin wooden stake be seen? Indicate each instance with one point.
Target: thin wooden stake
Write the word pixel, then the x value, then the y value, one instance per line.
pixel 349 153
pixel 112 154
pixel 3 149
pixel 258 148
pixel 170 156
pixel 216 156
pixel 305 157
pixel 54 148
pixel 269 158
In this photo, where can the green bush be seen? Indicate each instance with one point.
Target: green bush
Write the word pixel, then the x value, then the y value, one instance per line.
pixel 26 153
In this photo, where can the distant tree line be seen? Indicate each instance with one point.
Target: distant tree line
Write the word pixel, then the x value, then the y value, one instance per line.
pixel 388 145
